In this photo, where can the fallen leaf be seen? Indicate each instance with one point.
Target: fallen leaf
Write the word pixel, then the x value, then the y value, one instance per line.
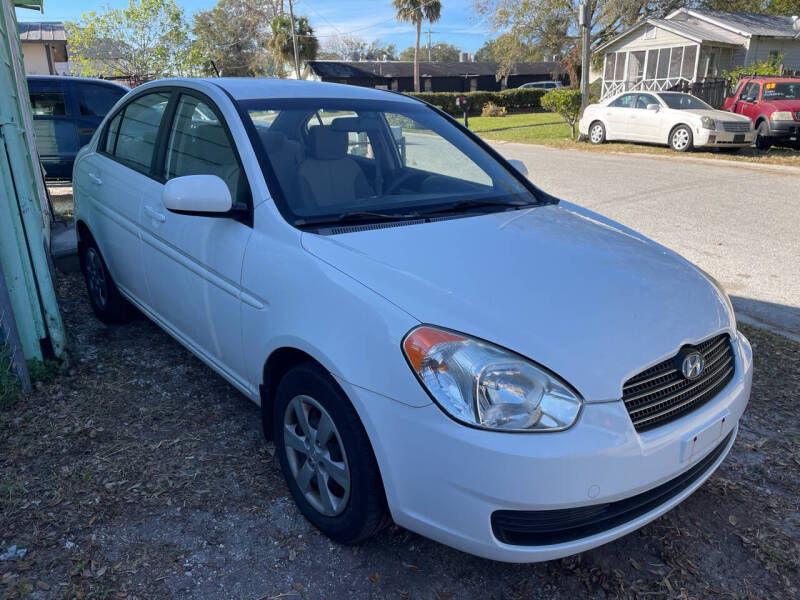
pixel 374 578
pixel 42 585
pixel 732 520
pixel 298 587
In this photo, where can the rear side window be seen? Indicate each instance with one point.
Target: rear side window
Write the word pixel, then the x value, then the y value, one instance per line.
pixel 625 101
pixel 136 133
pixel 199 145
pixel 48 104
pixel 113 130
pixel 96 100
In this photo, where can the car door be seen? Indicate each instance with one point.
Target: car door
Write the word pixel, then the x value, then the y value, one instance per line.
pixel 748 100
pixel 54 128
pixel 116 177
pixel 618 114
pixel 645 125
pixel 91 103
pixel 193 263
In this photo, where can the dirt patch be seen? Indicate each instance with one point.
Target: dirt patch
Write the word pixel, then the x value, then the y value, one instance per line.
pixel 142 474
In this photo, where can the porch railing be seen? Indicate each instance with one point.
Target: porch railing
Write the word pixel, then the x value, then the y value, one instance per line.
pixel 611 88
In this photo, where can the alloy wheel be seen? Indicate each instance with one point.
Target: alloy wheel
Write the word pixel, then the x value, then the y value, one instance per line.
pixel 596 134
pixel 680 139
pixel 96 277
pixel 316 455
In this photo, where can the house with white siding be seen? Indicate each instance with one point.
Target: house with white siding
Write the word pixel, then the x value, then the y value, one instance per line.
pixel 691 45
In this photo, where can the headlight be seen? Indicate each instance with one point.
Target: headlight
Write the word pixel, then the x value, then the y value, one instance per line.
pixel 781 115
pixel 707 123
pixel 483 385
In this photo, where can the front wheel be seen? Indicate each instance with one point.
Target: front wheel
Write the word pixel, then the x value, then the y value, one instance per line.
pixel 763 141
pixel 680 140
pixel 597 133
pixel 326 457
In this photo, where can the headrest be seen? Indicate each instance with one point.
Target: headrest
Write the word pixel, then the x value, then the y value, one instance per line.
pixel 355 123
pixel 325 143
pixel 273 141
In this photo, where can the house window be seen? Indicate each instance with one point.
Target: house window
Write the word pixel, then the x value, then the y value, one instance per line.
pixel 652 64
pixel 473 84
pixel 774 55
pixel 428 84
pixel 649 32
pixel 394 85
pixel 675 60
pixel 689 57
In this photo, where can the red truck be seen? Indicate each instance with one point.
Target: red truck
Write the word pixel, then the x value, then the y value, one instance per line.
pixel 773 104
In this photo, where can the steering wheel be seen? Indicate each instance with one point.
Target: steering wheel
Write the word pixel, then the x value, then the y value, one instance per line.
pixel 396 183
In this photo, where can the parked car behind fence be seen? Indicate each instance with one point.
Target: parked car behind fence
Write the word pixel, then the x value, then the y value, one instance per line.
pixel 66 113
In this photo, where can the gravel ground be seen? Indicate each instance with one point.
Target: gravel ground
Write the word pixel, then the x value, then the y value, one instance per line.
pixel 142 474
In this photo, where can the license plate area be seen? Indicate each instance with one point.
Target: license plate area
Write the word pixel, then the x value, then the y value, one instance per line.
pixel 695 444
pixel 738 138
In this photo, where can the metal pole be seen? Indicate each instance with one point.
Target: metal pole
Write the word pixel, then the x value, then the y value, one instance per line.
pixel 10 336
pixel 583 22
pixel 294 41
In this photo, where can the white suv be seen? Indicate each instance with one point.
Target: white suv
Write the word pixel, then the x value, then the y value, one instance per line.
pixel 432 339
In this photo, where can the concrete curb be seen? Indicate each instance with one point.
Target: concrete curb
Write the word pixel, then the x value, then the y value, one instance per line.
pixel 719 162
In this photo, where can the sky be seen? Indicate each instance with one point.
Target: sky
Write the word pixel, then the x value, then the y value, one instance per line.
pixel 368 19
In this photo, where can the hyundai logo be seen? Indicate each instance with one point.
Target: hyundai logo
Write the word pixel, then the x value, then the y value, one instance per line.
pixel 693 365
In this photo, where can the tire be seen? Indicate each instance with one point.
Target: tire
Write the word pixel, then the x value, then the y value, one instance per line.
pixel 681 139
pixel 763 141
pixel 597 133
pixel 351 506
pixel 107 303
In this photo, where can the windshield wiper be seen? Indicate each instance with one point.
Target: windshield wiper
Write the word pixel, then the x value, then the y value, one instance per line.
pixel 356 216
pixel 466 204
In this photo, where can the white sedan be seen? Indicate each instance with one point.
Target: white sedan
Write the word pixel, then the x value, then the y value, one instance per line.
pixel 432 339
pixel 678 120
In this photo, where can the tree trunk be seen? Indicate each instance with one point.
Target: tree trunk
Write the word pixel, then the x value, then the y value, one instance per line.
pixel 416 56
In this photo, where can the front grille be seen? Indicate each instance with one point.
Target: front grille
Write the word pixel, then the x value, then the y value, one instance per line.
pixel 662 394
pixel 735 127
pixel 545 527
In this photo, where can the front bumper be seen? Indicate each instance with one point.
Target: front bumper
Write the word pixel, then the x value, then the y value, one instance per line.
pixel 784 130
pixel 711 138
pixel 445 481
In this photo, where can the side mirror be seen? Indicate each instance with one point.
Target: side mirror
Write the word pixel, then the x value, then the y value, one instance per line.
pixel 519 166
pixel 653 107
pixel 197 195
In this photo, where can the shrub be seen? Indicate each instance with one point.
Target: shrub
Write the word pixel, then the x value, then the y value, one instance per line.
pixel 528 98
pixel 565 102
pixel 490 109
pixel 771 66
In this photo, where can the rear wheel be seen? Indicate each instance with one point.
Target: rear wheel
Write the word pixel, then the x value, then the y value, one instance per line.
pixel 680 139
pixel 107 303
pixel 597 133
pixel 326 457
pixel 763 140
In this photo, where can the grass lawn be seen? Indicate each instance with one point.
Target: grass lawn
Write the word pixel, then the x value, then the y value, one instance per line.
pixel 548 129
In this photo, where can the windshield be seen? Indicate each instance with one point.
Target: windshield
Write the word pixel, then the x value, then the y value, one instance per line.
pixel 342 160
pixel 684 102
pixel 782 91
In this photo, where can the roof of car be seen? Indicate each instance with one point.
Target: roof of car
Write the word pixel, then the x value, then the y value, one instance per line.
pixel 75 79
pixel 252 88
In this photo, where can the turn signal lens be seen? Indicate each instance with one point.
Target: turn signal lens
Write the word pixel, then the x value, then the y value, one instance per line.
pixel 484 385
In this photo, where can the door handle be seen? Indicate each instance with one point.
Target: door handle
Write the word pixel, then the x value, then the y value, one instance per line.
pixel 154 214
pixel 95 179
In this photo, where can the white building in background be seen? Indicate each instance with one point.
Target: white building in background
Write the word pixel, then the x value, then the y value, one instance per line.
pixel 44 47
pixel 691 45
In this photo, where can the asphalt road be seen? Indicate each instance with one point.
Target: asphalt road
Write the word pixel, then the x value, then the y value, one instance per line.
pixel 739 222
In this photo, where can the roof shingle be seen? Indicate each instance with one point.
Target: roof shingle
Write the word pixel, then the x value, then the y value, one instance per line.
pixel 41 31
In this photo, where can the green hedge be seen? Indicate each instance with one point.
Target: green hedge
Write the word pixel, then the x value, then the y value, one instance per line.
pixel 528 98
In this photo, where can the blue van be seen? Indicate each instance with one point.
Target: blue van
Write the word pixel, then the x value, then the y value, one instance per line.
pixel 66 112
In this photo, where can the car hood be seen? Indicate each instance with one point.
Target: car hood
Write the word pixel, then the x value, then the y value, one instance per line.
pixel 773 105
pixel 719 115
pixel 585 297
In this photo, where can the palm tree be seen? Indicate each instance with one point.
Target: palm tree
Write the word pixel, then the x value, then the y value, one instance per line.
pixel 281 45
pixel 416 11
